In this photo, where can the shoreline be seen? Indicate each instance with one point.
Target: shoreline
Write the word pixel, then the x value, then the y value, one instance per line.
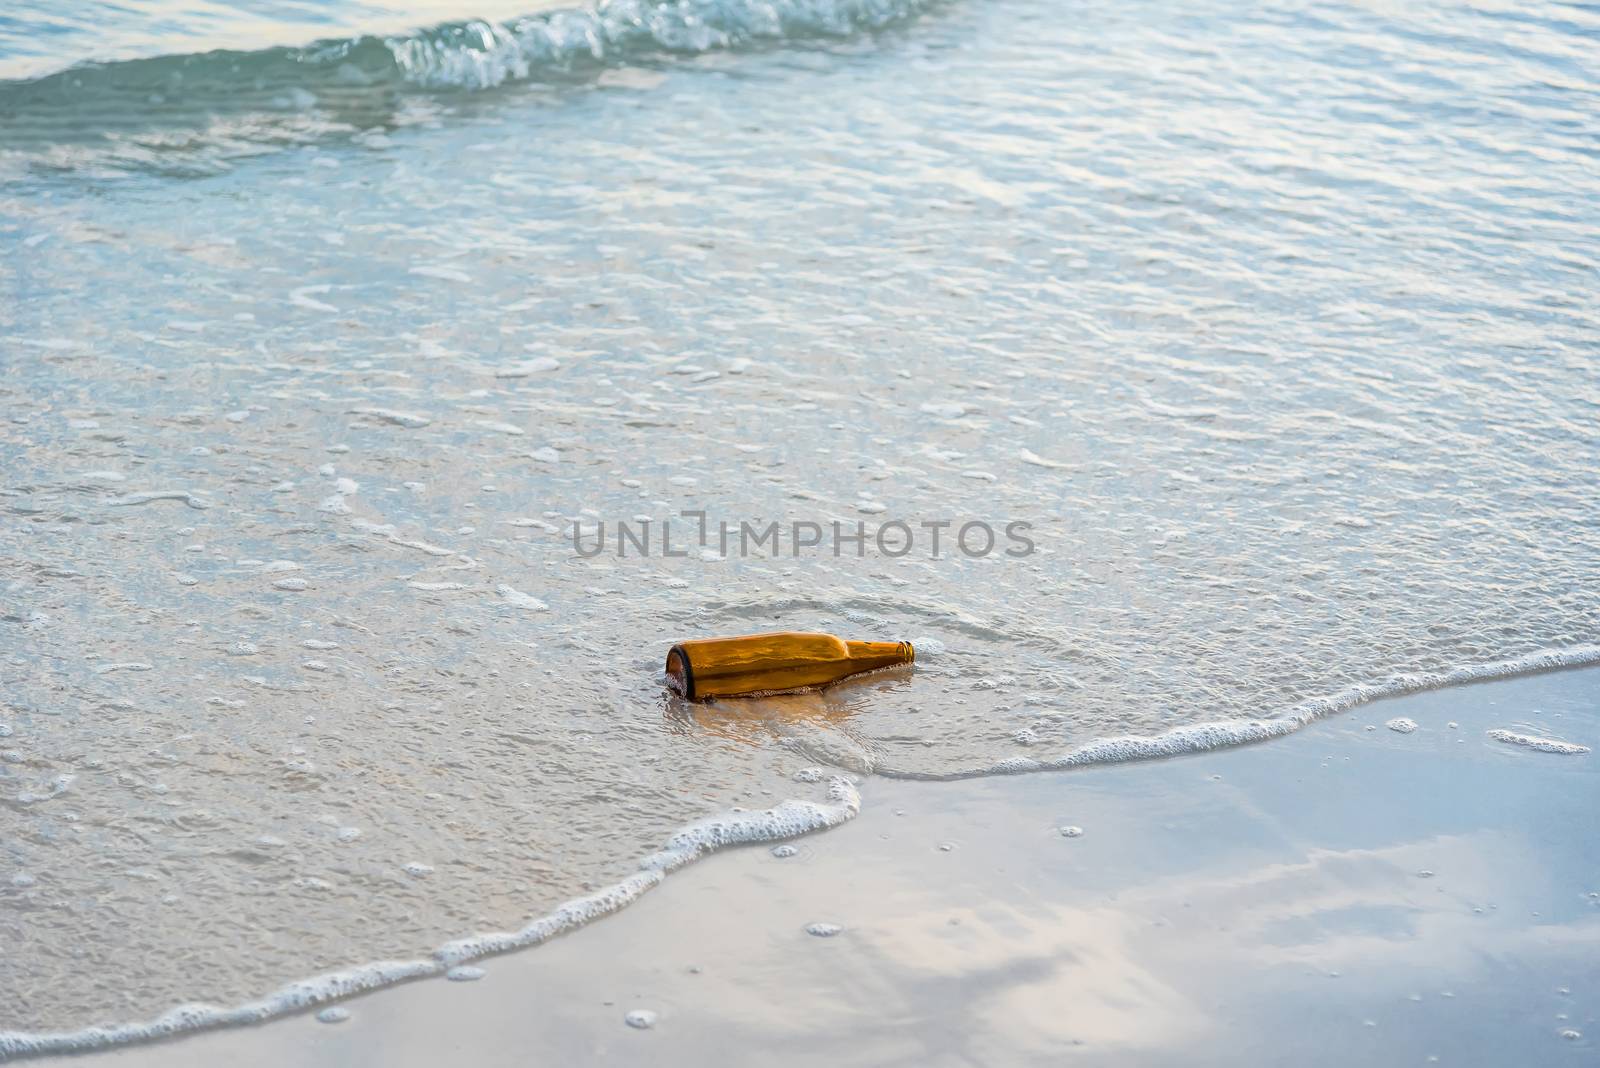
pixel 742 875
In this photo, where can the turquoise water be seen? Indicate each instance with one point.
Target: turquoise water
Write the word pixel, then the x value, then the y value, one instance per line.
pixel 38 37
pixel 1277 327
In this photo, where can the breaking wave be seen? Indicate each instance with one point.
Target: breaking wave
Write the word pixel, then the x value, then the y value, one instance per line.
pixel 195 112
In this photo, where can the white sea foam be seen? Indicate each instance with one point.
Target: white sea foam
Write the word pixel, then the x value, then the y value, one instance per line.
pixel 448 274
pixel 529 367
pixel 699 839
pixel 422 546
pixel 104 669
pixel 1036 460
pixel 1533 741
pixel 520 599
pixel 501 428
pixel 1199 737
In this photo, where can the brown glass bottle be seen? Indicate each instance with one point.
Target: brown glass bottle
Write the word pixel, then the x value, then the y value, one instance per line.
pixel 781 662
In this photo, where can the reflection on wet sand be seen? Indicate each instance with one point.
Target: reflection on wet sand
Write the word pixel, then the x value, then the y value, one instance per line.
pixel 794 716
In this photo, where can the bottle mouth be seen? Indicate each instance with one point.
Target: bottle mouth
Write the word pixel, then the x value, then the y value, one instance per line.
pixel 680 676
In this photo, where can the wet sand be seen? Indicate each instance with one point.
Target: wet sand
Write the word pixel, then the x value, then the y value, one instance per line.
pixel 1347 895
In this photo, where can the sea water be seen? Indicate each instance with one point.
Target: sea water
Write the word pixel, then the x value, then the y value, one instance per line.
pixel 322 330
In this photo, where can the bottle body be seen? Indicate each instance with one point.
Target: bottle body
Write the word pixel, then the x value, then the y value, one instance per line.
pixel 780 662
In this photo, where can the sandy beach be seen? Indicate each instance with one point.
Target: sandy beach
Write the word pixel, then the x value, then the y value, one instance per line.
pixel 1349 894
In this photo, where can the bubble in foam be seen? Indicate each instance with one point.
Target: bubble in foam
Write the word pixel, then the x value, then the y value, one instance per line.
pixel 333 1014
pixel 465 973
pixel 417 870
pixel 823 930
pixel 784 851
pixel 640 1019
pixel 518 599
pixel 1070 831
pixel 1534 742
pixel 1402 725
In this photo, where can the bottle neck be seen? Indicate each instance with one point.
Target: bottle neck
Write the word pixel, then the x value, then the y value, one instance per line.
pixel 869 656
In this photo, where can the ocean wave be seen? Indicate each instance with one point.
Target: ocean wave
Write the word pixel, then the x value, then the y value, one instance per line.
pixel 198 110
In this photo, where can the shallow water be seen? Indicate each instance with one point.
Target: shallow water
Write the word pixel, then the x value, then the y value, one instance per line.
pixel 1437 900
pixel 1277 327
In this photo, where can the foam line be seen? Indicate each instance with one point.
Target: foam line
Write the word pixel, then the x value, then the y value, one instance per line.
pixel 697 840
pixel 1199 737
pixel 1534 742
